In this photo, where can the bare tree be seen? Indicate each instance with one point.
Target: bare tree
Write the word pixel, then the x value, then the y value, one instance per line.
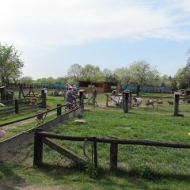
pixel 75 71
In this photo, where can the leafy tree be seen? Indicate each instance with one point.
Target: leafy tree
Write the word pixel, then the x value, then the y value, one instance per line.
pixel 109 76
pixel 49 80
pixel 92 73
pixel 75 72
pixel 42 80
pixel 10 63
pixel 61 80
pixel 182 77
pixel 123 75
pixel 26 80
pixel 142 74
pixel 165 80
pixel 188 59
pixel 173 83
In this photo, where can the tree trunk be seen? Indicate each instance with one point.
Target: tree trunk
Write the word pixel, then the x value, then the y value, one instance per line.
pixel 3 80
pixel 138 89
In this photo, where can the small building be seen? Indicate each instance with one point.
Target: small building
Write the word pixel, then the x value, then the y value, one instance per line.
pixel 101 87
pixel 2 92
pixel 5 95
pixel 184 95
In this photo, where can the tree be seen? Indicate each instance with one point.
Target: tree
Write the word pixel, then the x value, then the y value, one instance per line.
pixel 182 77
pixel 165 80
pixel 26 80
pixel 75 72
pixel 122 75
pixel 10 63
pixel 188 59
pixel 61 80
pixel 92 73
pixel 49 80
pixel 142 74
pixel 109 76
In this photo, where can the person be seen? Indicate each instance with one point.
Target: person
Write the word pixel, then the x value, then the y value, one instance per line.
pixel 94 95
pixel 68 86
pixel 74 87
pixel 70 96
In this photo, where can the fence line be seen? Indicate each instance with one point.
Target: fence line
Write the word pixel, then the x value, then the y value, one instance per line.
pixel 40 138
pixel 11 144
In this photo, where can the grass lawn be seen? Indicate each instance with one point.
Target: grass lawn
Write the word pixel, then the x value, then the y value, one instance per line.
pixel 139 167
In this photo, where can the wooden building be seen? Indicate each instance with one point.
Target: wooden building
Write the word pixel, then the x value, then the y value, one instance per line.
pixel 5 95
pixel 185 95
pixel 101 87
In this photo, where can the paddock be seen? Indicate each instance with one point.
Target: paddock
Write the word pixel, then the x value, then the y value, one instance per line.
pixel 44 137
pixel 126 150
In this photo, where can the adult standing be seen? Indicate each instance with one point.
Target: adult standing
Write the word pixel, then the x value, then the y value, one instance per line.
pixel 94 95
pixel 70 96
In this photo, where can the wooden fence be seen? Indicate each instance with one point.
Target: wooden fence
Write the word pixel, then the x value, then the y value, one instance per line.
pixel 9 145
pixel 15 106
pixel 43 137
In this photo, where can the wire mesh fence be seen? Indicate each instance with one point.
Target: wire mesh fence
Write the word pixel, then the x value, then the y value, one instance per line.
pixel 18 148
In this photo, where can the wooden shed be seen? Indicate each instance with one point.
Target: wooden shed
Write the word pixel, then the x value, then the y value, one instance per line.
pixel 102 87
pixel 185 95
pixel 5 95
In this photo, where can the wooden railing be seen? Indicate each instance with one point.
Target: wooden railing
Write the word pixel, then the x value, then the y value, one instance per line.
pixel 43 137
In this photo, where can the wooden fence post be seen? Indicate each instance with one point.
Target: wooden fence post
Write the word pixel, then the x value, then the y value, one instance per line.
pixel 113 156
pixel 20 91
pixel 107 100
pixel 58 109
pixel 16 106
pixel 38 149
pixel 81 97
pixel 43 95
pixel 176 104
pixel 125 97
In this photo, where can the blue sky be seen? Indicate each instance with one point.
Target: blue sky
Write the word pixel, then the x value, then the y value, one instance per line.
pixel 53 35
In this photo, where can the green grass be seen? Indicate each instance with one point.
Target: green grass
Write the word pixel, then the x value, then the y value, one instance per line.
pixel 139 167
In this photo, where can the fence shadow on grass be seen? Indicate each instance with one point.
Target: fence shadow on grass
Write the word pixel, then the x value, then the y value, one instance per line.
pixel 10 179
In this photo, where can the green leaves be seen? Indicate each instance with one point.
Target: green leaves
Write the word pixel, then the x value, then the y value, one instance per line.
pixel 10 63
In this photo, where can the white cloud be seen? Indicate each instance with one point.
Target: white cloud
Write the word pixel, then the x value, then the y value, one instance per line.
pixel 39 28
pixel 46 22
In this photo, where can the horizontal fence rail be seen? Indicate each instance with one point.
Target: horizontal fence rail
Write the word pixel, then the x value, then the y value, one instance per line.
pixel 12 143
pixel 7 111
pixel 58 109
pixel 40 135
pixel 115 140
